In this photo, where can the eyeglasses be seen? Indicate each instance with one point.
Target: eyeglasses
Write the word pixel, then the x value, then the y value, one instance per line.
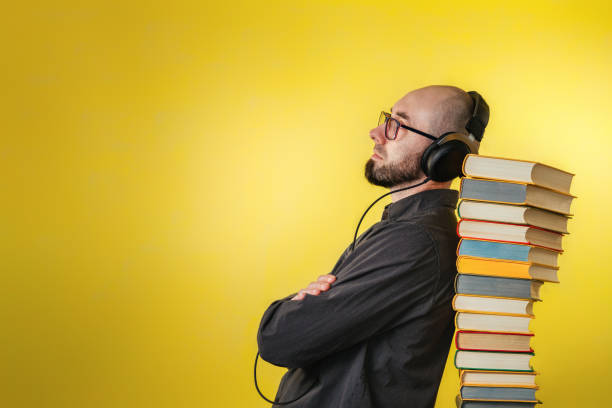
pixel 392 127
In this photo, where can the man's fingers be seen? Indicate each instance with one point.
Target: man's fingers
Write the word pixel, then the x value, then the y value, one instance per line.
pixel 318 285
pixel 327 278
pixel 299 296
pixel 302 293
pixel 323 283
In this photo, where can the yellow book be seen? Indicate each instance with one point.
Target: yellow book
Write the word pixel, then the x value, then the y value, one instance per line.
pixel 507 269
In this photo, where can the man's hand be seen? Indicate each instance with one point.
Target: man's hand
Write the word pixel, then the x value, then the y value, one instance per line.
pixel 322 284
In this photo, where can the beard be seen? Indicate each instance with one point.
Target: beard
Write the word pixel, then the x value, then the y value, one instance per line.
pixel 392 174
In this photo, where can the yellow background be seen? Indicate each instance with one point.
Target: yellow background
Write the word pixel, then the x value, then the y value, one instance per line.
pixel 168 170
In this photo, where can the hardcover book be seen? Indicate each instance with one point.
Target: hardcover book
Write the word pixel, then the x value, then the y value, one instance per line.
pixel 531 172
pixel 493 341
pixel 507 269
pixel 493 360
pixel 513 233
pixel 492 322
pixel 475 392
pixel 513 214
pixel 492 304
pixel 515 193
pixel 492 404
pixel 508 251
pixel 496 286
pixel 485 377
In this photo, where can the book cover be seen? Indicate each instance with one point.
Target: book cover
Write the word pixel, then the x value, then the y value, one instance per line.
pixel 500 374
pixel 504 229
pixel 508 269
pixel 496 305
pixel 492 332
pixel 502 173
pixel 498 393
pixel 513 214
pixel 530 370
pixel 497 286
pixel 506 192
pixel 482 248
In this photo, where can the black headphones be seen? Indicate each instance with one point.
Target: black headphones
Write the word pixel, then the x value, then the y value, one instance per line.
pixel 443 158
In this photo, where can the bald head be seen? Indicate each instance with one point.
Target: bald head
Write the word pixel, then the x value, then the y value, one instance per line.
pixel 436 109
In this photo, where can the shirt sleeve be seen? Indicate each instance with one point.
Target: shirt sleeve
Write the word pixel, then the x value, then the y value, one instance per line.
pixel 390 280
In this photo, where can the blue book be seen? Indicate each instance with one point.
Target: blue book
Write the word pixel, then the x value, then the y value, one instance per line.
pixel 507 251
pixel 498 393
pixel 506 192
pixel 497 286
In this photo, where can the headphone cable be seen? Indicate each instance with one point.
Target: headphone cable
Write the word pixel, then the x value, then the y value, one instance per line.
pixel 352 248
pixel 390 192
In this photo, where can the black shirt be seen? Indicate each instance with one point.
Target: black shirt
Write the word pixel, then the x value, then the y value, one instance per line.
pixel 380 335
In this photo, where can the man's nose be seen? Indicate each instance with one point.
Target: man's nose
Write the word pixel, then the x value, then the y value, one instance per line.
pixel 378 135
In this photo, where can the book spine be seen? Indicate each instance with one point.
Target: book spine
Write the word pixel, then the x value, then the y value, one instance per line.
pixel 458 245
pixel 465 160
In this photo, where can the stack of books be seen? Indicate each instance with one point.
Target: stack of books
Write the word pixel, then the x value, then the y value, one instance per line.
pixel 513 216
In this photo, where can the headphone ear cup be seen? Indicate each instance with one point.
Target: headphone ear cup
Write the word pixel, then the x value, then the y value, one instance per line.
pixel 425 158
pixel 442 160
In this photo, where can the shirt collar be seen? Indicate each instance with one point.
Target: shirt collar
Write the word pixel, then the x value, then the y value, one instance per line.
pixel 423 200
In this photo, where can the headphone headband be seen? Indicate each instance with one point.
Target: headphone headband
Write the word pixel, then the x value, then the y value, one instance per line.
pixel 442 160
pixel 480 116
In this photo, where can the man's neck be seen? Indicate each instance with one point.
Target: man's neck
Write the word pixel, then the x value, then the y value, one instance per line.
pixel 430 185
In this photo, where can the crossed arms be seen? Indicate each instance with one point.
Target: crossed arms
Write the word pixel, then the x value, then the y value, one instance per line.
pixel 390 279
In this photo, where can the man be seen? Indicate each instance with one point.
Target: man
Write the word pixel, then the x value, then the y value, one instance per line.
pixel 376 331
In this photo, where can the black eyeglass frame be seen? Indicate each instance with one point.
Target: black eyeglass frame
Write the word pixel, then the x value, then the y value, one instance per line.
pixel 388 117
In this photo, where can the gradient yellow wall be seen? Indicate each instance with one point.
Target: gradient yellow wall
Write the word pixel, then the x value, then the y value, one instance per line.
pixel 170 168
